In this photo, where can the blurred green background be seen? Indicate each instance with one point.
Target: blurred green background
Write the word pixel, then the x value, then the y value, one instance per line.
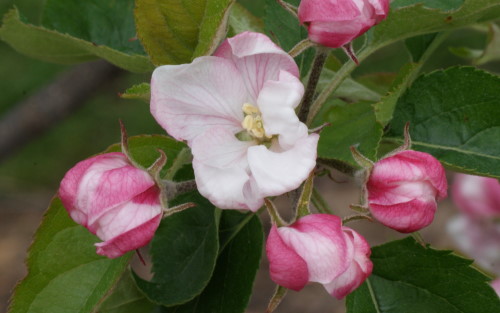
pixel 90 130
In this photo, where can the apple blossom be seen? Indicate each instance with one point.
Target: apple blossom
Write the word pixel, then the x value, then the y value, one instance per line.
pixel 477 238
pixel 114 200
pixel 403 189
pixel 317 248
pixel 477 196
pixel 335 23
pixel 236 111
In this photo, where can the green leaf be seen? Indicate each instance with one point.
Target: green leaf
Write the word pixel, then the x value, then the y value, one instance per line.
pixel 445 5
pixel 286 31
pixel 144 149
pixel 241 20
pixel 102 22
pixel 420 48
pixel 183 251
pixel 64 272
pixel 177 31
pixel 51 46
pixel 455 116
pixel 412 279
pixel 348 89
pixel 410 21
pixel 352 125
pixel 418 45
pixel 140 91
pixel 490 53
pixel 230 288
pixel 379 82
pixel 126 298
pixel 492 50
pixel 466 53
pixel 385 107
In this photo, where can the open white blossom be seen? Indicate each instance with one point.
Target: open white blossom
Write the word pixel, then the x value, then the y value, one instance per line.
pixel 236 111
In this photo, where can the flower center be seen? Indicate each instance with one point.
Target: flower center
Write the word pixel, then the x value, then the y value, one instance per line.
pixel 253 123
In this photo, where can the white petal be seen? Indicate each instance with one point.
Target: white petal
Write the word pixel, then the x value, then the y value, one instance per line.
pixel 277 101
pixel 278 172
pixel 258 59
pixel 187 99
pixel 218 147
pixel 228 188
pixel 221 170
pixel 123 218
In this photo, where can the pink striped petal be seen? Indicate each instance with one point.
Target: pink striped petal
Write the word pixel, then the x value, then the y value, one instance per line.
pixel 286 267
pixel 319 241
pixel 126 216
pixel 188 99
pixel 327 10
pixel 258 60
pixel 405 217
pixel 131 240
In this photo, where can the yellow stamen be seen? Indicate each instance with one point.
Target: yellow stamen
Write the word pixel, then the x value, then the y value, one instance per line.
pixel 247 122
pixel 250 109
pixel 253 123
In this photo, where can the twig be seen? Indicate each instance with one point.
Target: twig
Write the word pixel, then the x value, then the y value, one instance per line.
pixel 51 104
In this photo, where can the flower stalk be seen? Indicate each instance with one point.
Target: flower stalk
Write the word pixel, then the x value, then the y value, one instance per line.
pixel 307 100
pixel 273 212
pixel 301 47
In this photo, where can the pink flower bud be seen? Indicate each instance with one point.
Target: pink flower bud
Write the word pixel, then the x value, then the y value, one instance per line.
pixel 403 189
pixel 334 23
pixel 114 200
pixel 317 248
pixel 477 196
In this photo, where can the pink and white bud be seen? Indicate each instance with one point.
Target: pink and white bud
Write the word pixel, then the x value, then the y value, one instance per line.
pixel 317 248
pixel 477 196
pixel 334 23
pixel 403 190
pixel 114 200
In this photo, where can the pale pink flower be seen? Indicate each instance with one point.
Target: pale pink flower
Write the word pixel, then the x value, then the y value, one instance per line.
pixel 114 200
pixel 403 190
pixel 334 23
pixel 477 196
pixel 236 111
pixel 317 248
pixel 478 239
pixel 496 286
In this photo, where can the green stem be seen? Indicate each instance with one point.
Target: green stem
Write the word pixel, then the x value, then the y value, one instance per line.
pixel 418 237
pixel 184 157
pixel 319 61
pixel 173 189
pixel 320 203
pixel 278 296
pixel 305 197
pixel 287 6
pixel 349 66
pixel 339 77
pixel 372 295
pixel 300 47
pixel 273 212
